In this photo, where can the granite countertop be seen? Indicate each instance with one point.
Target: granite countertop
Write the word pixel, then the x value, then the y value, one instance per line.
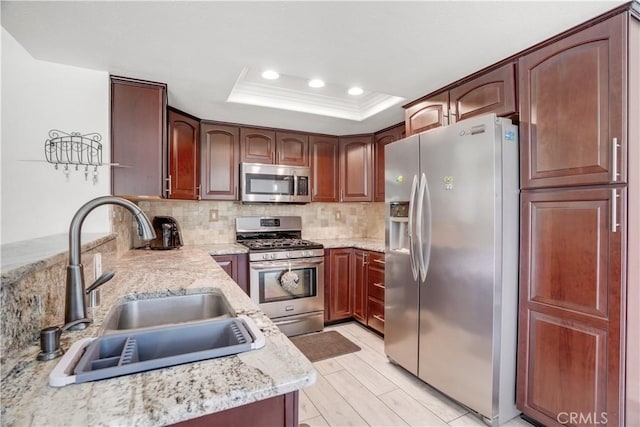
pixel 27 256
pixel 366 244
pixel 162 396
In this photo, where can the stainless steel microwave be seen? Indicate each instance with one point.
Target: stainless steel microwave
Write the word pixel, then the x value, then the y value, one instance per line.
pixel 261 183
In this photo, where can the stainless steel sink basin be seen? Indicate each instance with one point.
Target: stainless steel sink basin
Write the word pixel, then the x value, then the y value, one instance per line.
pixel 147 313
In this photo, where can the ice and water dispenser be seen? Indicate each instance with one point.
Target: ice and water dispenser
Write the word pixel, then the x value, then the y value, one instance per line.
pixel 399 227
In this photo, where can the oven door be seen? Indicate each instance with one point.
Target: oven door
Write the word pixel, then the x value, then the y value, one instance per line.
pixel 287 288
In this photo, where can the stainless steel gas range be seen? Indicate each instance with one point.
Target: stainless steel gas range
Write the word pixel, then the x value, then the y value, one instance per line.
pixel 286 273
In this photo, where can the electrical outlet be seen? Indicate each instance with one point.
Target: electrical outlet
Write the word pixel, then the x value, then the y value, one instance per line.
pixel 213 215
pixel 97 265
pixel 338 215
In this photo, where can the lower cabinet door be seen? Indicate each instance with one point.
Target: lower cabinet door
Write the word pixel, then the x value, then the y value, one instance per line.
pixel 237 267
pixel 280 411
pixel 340 288
pixel 571 341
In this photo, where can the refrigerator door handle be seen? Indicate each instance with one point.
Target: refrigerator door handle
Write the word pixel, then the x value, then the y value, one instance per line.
pixel 423 183
pixel 424 253
pixel 412 250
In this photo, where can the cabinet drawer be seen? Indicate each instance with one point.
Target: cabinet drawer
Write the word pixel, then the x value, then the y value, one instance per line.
pixel 375 315
pixel 376 284
pixel 376 259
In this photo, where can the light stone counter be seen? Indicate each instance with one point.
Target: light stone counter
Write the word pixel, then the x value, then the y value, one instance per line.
pixel 224 248
pixel 366 244
pixel 162 396
pixel 27 256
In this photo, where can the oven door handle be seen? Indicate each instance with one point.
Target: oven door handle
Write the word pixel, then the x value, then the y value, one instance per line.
pixel 298 263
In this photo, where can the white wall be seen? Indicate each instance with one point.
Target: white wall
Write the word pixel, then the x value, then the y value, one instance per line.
pixel 38 96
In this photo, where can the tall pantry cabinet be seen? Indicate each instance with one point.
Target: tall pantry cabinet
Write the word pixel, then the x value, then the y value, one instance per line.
pixel 579 108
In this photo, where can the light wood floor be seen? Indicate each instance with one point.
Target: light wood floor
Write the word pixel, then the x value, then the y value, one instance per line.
pixel 364 389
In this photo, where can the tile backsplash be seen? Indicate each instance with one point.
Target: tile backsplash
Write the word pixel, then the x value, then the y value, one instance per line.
pixel 319 220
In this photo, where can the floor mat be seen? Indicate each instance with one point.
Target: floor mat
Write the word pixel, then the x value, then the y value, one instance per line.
pixel 324 345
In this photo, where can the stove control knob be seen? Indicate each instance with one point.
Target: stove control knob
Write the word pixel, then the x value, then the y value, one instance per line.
pixel 288 254
pixel 265 256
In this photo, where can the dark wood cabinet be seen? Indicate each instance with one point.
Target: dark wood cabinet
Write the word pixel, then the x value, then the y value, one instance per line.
pixel 427 113
pixel 358 279
pixel 278 411
pixel 489 92
pixel 571 296
pixel 572 101
pixel 292 149
pixel 257 145
pixel 274 147
pixel 220 160
pixel 356 168
pixel 325 168
pixel 340 289
pixel 375 291
pixel 576 115
pixel 354 286
pixel 494 92
pixel 184 156
pixel 380 139
pixel 138 137
pixel 237 267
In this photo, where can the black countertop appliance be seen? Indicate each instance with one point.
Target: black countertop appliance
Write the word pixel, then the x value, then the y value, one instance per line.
pixel 167 233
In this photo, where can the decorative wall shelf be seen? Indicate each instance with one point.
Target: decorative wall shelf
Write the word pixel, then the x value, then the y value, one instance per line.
pixel 73 148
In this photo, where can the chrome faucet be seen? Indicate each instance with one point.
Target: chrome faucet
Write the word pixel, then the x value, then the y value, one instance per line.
pixel 75 306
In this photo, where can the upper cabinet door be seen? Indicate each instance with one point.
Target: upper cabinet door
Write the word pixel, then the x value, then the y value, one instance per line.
pixel 184 156
pixel 494 92
pixel 220 154
pixel 572 109
pixel 356 171
pixel 257 146
pixel 380 140
pixel 325 170
pixel 427 114
pixel 138 137
pixel 292 149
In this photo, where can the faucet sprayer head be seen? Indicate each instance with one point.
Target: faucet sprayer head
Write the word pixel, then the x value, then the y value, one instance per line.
pixel 145 229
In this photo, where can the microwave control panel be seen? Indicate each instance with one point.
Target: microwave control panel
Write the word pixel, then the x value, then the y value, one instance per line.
pixel 303 186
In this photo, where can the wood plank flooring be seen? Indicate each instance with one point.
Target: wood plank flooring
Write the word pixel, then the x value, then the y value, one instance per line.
pixel 364 389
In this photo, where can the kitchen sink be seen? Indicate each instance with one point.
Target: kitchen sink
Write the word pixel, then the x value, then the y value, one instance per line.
pixel 147 313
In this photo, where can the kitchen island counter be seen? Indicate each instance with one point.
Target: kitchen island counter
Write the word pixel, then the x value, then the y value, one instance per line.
pixel 163 396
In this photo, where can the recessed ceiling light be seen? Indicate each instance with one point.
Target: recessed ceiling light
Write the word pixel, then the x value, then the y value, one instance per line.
pixel 270 75
pixel 355 91
pixel 316 83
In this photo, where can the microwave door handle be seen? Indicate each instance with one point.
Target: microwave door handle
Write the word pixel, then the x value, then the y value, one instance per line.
pixel 295 185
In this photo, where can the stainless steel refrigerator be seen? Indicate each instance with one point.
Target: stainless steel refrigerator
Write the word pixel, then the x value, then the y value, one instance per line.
pixel 451 272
